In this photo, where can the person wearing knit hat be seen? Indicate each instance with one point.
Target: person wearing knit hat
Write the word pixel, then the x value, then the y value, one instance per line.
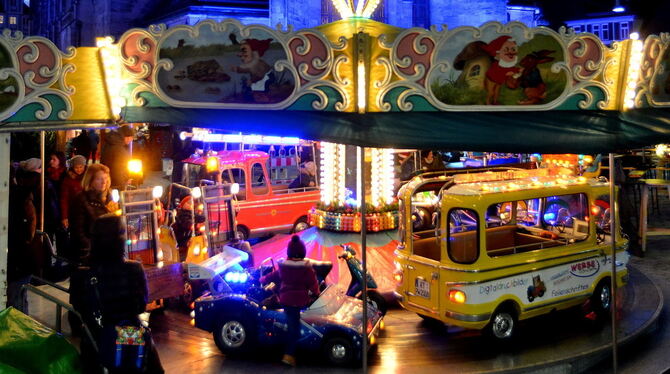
pixel 70 188
pixel 31 164
pixel 503 50
pixel 77 160
pixel 298 280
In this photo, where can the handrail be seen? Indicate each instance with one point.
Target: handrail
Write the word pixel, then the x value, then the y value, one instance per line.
pixel 60 304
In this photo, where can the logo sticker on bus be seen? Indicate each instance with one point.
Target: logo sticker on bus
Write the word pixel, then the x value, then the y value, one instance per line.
pixel 585 268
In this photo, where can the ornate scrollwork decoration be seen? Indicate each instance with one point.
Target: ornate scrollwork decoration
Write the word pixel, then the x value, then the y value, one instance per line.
pixel 35 72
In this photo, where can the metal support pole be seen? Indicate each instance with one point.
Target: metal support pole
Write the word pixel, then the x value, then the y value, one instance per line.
pixel 42 175
pixel 4 214
pixel 361 165
pixel 613 234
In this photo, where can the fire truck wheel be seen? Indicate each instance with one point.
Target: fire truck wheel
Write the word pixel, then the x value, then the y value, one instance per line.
pixel 300 225
pixel 242 232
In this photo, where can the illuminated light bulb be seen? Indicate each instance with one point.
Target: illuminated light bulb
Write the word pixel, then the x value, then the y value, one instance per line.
pixel 157 192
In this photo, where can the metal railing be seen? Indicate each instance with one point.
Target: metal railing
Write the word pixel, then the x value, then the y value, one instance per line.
pixel 60 305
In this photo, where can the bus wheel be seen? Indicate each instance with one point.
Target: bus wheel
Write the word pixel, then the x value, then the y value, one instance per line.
pixel 502 325
pixel 602 299
pixel 300 225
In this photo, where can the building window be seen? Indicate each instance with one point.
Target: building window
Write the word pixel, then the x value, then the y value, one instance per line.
pixel 624 30
pixel 475 71
pixel 12 20
pixel 2 19
pixel 605 27
pixel 421 14
pixel 596 30
pixel 577 28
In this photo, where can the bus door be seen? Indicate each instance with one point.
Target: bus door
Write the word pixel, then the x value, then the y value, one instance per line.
pixel 423 268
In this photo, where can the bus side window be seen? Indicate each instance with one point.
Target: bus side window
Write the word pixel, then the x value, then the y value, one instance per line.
pixel 463 240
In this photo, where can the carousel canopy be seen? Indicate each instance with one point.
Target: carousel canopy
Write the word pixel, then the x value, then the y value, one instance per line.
pixel 356 81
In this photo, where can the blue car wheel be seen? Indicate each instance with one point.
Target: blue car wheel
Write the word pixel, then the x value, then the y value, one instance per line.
pixel 338 351
pixel 233 335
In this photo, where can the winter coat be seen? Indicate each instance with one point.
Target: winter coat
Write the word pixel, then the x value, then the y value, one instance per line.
pixel 115 156
pixel 56 176
pixel 21 232
pixel 70 188
pixel 296 278
pixel 85 208
pixel 122 287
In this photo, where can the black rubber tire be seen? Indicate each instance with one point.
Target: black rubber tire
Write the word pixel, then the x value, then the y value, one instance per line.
pixel 503 325
pixel 378 300
pixel 234 335
pixel 601 300
pixel 338 351
pixel 301 222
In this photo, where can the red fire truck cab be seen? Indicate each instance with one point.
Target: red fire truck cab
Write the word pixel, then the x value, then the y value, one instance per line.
pixel 263 207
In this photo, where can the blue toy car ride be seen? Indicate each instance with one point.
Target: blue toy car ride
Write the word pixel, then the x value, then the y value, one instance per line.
pixel 331 324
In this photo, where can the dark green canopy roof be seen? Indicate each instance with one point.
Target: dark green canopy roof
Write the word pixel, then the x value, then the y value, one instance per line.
pixel 579 131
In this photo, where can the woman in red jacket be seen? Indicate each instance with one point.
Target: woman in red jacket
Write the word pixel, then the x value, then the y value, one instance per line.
pixel 298 280
pixel 71 186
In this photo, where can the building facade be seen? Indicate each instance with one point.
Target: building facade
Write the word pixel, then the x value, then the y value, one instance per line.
pixel 608 27
pixel 79 22
pixel 16 16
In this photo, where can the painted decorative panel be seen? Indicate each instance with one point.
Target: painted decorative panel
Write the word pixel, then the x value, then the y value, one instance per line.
pixel 32 79
pixel 496 67
pixel 653 88
pixel 225 65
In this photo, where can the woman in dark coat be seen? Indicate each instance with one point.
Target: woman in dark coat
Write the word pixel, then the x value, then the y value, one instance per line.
pixel 94 201
pixel 121 288
pixel 298 280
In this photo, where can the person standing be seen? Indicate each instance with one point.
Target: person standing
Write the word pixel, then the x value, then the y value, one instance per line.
pixel 94 201
pixel 21 232
pixel 115 155
pixel 298 280
pixel 120 293
pixel 56 169
pixel 70 188
pixel 81 145
pixel 95 140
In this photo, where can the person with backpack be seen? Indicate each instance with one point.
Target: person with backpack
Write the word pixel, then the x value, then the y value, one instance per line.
pixel 112 292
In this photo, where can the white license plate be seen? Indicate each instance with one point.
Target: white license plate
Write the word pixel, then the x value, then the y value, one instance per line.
pixel 422 288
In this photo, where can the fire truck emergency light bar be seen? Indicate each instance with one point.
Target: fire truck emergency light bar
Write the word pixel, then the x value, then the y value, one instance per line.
pixel 206 136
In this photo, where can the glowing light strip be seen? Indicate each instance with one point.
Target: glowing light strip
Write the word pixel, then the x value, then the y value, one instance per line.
pixel 370 7
pixel 361 87
pixel 633 73
pixel 389 175
pixel 328 172
pixel 205 136
pixel 343 8
pixel 341 173
pixel 363 8
pixel 111 62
